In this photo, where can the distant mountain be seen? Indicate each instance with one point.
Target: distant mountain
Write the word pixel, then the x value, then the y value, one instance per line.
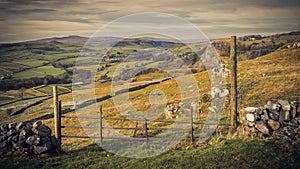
pixel 101 41
pixel 71 40
pixel 148 42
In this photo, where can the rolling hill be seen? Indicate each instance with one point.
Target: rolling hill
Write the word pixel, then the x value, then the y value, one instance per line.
pixel 271 73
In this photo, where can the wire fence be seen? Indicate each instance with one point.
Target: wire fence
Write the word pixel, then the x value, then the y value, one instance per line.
pixel 143 126
pixel 272 76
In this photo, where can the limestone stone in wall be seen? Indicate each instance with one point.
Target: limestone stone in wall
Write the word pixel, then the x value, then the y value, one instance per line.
pixel 279 119
pixel 26 139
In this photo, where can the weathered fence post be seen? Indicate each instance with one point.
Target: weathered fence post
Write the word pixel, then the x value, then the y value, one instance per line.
pixel 136 128
pixel 233 100
pixel 101 118
pixel 57 118
pixel 146 132
pixel 191 124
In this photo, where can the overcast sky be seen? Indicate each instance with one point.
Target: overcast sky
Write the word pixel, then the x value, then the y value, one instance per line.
pixel 34 19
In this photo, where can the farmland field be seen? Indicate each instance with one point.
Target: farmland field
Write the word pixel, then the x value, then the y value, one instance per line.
pixel 265 77
pixel 39 72
pixel 48 89
pixel 12 67
pixel 31 63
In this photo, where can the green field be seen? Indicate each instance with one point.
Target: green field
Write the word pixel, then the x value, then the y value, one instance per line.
pixel 73 60
pixel 31 63
pixel 226 154
pixel 39 72
pixel 12 67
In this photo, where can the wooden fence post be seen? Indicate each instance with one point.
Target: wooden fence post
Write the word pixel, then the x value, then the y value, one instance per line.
pixel 57 118
pixel 233 100
pixel 191 124
pixel 136 126
pixel 146 132
pixel 101 118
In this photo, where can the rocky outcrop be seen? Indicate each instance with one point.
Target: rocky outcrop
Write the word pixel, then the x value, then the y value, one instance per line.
pixel 172 111
pixel 279 120
pixel 26 139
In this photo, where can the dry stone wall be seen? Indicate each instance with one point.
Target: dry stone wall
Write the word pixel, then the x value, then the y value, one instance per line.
pixel 26 138
pixel 279 120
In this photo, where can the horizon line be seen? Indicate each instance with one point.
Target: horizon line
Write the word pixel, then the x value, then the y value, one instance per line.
pixel 83 36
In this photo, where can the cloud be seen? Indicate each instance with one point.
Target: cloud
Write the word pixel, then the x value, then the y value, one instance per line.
pixel 25 11
pixel 88 12
pixel 22 19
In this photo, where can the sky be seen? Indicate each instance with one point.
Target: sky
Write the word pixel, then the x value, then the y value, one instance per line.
pixel 22 20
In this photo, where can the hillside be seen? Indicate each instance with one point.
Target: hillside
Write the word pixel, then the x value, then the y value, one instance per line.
pixel 268 71
pixel 265 76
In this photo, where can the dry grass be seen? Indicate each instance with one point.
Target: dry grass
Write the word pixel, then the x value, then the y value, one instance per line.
pixel 273 76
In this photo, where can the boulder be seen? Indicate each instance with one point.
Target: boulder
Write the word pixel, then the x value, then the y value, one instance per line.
pixel 275 125
pixel 269 105
pixel 289 131
pixel 261 126
pixel 12 132
pixel 284 116
pixel 3 144
pixel 250 117
pixel 275 107
pixel 264 117
pixel 251 109
pixel 42 148
pixel 20 126
pixel 15 138
pixel 36 124
pixel 42 130
pixel 20 144
pixel 294 106
pixel 9 139
pixel 2 137
pixel 22 139
pixel 273 116
pixel 4 127
pixel 172 111
pixel 285 105
pixel 33 140
pixel 298 119
pixel 293 123
pixel 260 111
pixel 12 125
pixel 27 127
pixel 22 132
pixel 17 145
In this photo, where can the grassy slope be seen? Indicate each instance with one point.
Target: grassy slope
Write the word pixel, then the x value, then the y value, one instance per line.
pixel 224 154
pixel 276 73
pixel 271 77
pixel 252 83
